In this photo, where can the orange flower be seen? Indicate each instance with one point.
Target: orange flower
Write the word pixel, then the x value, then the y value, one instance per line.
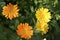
pixel 24 30
pixel 10 11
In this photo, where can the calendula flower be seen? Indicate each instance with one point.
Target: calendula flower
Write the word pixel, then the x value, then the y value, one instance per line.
pixel 24 30
pixel 43 15
pixel 43 29
pixel 10 11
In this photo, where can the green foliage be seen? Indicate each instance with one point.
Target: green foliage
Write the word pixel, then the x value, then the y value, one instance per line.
pixel 27 14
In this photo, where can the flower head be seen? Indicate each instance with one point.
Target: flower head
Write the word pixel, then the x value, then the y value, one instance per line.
pixel 24 30
pixel 43 29
pixel 43 15
pixel 10 11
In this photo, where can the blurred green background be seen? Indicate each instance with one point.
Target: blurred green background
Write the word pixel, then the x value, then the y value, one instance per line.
pixel 27 14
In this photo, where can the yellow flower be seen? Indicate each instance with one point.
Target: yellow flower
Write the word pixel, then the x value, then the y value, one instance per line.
pixel 43 15
pixel 43 29
pixel 10 11
pixel 24 30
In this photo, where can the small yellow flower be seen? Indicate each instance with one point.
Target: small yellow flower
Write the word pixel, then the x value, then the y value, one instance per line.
pixel 24 30
pixel 43 15
pixel 10 11
pixel 43 29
